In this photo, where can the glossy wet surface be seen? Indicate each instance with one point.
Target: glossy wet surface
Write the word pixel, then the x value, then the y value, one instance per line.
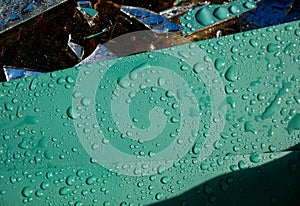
pixel 152 126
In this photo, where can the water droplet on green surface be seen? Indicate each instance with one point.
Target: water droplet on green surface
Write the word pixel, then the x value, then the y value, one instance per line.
pixel 294 124
pixel 255 158
pixel 183 68
pixel 234 9
pixel 207 189
pixel 249 128
pixel 164 180
pixel 27 191
pixel 242 164
pixel 219 64
pixel 31 120
pixel 159 196
pixel 32 84
pixel 72 113
pixel 272 148
pixel 230 74
pixel 204 17
pixel 270 110
pixel 48 155
pixel 230 101
pixel 85 101
pixel 196 148
pixel 198 68
pixel 221 13
pixel 123 83
pixel 64 191
pixel 8 106
pixel 253 43
pixel 223 185
pixel 91 180
pixel 272 47
pixel 249 5
pixel 70 79
pixel 70 180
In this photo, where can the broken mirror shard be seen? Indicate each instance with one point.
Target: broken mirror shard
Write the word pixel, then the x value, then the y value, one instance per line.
pixel 76 48
pixel 150 19
pixel 41 42
pixel 16 73
pixel 101 53
pixel 85 7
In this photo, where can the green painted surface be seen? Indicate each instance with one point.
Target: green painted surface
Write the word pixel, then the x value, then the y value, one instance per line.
pixel 205 16
pixel 152 126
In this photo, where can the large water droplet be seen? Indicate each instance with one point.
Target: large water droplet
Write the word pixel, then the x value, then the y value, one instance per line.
pixel 198 68
pixel 230 74
pixel 219 64
pixel 85 101
pixel 32 84
pixel 70 180
pixel 8 106
pixel 255 158
pixel 204 17
pixel 159 196
pixel 242 164
pixel 249 128
pixel 45 185
pixel 123 82
pixel 294 124
pixel 64 191
pixel 90 180
pixel 31 120
pixel 253 43
pixel 164 180
pixel 234 9
pixel 196 149
pixel 161 82
pixel 272 47
pixel 71 113
pixel 270 110
pixel 249 5
pixel 27 191
pixel 221 13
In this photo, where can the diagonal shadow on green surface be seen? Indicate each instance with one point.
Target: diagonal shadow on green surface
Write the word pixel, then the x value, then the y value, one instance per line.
pixel 274 183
